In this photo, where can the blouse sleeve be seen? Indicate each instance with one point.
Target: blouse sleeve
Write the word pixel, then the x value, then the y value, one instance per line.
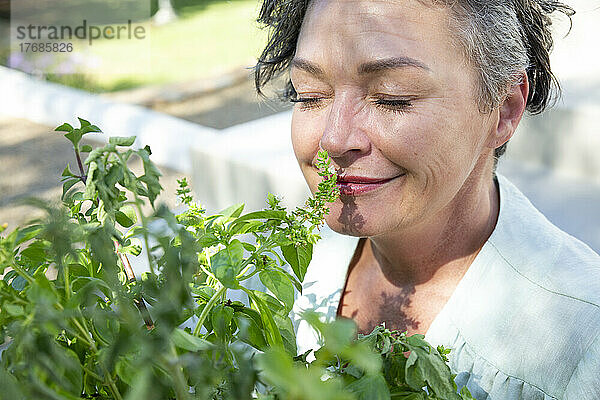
pixel 585 381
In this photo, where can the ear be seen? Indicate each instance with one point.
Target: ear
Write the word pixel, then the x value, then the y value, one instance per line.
pixel 510 112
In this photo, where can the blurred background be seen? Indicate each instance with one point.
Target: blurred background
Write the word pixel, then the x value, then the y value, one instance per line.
pixel 187 91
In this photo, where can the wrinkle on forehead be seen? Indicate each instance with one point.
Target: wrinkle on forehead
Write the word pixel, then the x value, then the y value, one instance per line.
pixel 363 8
pixel 366 13
pixel 375 16
pixel 370 28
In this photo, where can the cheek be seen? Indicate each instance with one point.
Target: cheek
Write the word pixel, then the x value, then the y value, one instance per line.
pixel 409 140
pixel 305 142
pixel 428 141
pixel 305 137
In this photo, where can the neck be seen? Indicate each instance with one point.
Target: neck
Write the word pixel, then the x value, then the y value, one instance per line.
pixel 442 248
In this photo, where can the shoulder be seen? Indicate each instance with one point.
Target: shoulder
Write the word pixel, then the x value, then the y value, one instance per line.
pixel 541 252
pixel 529 308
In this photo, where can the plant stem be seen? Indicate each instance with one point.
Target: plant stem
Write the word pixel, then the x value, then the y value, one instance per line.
pixel 83 177
pixel 207 272
pixel 207 309
pixel 246 264
pixel 250 275
pixel 22 272
pixel 92 374
pixel 181 392
pixel 139 302
pixel 67 282
pixel 111 382
pixel 85 333
pixel 112 385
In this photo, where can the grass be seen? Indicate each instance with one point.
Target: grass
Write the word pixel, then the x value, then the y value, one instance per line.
pixel 204 42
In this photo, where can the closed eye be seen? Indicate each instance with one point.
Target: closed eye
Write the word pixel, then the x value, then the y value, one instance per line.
pixel 394 105
pixel 308 103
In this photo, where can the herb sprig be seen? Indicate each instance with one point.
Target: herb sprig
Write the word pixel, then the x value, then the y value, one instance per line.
pixel 79 324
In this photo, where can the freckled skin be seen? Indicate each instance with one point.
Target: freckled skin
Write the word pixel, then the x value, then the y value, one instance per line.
pixel 418 124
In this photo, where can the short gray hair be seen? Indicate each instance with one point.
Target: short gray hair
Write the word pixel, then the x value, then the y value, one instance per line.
pixel 501 38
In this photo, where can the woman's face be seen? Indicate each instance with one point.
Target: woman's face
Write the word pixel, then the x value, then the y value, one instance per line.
pixel 383 89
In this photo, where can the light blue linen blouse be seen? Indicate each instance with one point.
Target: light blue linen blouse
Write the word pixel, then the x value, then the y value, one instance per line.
pixel 523 323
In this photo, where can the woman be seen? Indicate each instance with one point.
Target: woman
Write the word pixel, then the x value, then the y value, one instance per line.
pixel 415 100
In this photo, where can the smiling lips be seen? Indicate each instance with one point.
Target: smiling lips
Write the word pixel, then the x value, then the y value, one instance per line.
pixel 354 185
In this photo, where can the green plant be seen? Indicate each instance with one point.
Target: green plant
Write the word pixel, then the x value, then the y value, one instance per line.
pixel 81 325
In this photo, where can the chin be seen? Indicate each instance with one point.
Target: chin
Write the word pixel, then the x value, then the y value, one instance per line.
pixel 345 218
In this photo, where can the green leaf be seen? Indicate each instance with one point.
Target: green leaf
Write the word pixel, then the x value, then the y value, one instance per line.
pixel 233 211
pixel 18 283
pixel 362 356
pixel 121 141
pixel 251 330
pixel 68 185
pixel 277 367
pixel 150 177
pixel 90 129
pixel 271 302
pixel 9 275
pixel 134 247
pixel 77 196
pixel 28 233
pixel 208 240
pixel 221 317
pixel 88 284
pixel 426 366
pixel 204 292
pixel 74 136
pixel 294 381
pixel 126 370
pixel 245 227
pixel 250 222
pixel 123 219
pixel 36 253
pixel 252 314
pixel 338 334
pixel 90 185
pixel 264 214
pixel 135 231
pixel 226 264
pixel 67 172
pixel 14 309
pixel 235 250
pixel 249 247
pixel 280 285
pixel 70 370
pixel 101 212
pixel 370 387
pixel 273 335
pixel 286 330
pixel 83 123
pixel 298 257
pixel 86 148
pixel 64 128
pixel 184 340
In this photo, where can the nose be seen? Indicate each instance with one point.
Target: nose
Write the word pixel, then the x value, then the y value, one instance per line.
pixel 343 137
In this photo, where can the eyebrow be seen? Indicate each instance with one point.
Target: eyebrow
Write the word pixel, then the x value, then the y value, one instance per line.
pixel 370 67
pixel 307 66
